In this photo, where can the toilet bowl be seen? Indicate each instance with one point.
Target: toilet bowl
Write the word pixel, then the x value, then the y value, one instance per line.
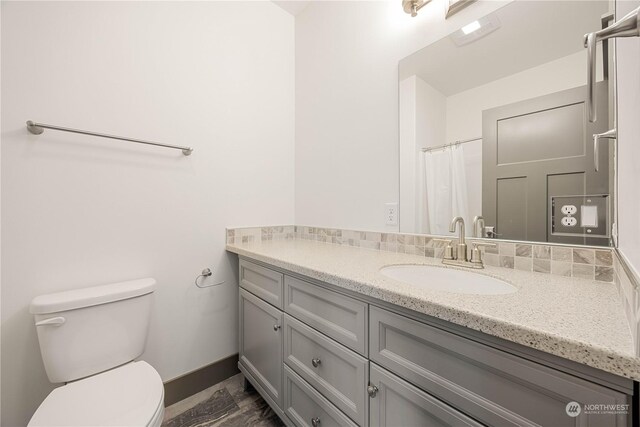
pixel 131 395
pixel 89 339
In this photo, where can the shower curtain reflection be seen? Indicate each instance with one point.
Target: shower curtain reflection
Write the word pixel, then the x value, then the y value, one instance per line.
pixel 444 193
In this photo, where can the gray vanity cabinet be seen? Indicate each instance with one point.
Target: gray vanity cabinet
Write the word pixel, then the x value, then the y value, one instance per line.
pixel 322 358
pixel 261 344
pixel 494 387
pixel 262 282
pixel 394 402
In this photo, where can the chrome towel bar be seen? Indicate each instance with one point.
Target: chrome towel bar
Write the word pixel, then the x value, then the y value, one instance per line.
pixel 38 128
pixel 628 26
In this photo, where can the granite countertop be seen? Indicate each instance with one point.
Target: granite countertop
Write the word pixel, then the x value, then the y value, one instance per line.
pixel 577 319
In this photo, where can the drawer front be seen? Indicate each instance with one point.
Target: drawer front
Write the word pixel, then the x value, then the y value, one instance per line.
pixel 398 403
pixel 492 386
pixel 262 282
pixel 261 343
pixel 335 371
pixel 303 405
pixel 338 316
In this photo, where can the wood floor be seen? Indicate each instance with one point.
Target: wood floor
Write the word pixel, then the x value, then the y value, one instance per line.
pixel 224 404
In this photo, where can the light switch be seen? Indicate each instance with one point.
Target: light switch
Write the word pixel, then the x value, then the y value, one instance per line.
pixel 588 216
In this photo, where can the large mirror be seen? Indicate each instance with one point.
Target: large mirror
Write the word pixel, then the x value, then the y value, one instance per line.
pixel 493 123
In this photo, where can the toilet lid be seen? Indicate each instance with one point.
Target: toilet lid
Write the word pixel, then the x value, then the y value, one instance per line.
pixel 126 396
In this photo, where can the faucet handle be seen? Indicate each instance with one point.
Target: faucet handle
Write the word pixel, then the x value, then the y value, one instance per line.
pixel 448 251
pixel 476 256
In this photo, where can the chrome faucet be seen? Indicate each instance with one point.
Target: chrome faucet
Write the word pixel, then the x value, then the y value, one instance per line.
pixel 478 221
pixel 461 247
pixel 459 256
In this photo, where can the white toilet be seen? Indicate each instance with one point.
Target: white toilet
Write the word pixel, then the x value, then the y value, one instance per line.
pixel 88 339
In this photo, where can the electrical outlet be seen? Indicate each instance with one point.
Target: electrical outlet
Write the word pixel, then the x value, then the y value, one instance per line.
pixel 569 221
pixel 569 209
pixel 391 213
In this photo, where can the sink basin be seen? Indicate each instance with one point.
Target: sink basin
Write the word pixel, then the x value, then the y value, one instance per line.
pixel 448 280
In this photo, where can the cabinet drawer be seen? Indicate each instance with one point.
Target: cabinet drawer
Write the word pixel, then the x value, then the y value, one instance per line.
pixel 266 284
pixel 339 373
pixel 303 404
pixel 398 403
pixel 260 344
pixel 492 386
pixel 338 316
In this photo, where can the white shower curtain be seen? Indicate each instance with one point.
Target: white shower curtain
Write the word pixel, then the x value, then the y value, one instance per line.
pixel 444 189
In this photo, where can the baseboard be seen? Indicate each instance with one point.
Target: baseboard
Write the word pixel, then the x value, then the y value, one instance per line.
pixel 193 382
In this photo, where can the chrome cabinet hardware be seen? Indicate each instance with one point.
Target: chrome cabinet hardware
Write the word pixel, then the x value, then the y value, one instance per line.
pixel 610 134
pixel 315 422
pixel 276 327
pixel 628 26
pixel 316 362
pixel 372 390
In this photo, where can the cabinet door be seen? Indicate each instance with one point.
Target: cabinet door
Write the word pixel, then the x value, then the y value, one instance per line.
pixel 261 343
pixel 398 403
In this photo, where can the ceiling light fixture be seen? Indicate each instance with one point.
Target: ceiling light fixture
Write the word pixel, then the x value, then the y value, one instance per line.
pixel 470 28
pixel 413 6
pixel 476 30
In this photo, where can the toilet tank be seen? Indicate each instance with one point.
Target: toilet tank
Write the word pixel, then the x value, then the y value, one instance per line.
pixel 87 331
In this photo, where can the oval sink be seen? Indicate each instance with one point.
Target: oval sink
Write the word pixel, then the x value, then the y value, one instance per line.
pixel 448 280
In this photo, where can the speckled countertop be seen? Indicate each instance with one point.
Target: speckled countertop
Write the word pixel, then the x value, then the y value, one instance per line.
pixel 577 319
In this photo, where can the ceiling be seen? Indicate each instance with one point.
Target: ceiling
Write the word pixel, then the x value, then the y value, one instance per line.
pixel 294 7
pixel 531 33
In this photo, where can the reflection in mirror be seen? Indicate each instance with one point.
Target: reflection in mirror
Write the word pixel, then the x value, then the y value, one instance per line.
pixel 493 124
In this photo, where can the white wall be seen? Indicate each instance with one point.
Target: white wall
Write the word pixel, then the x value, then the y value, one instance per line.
pixel 628 70
pixel 407 153
pixel 422 124
pixel 347 56
pixel 81 211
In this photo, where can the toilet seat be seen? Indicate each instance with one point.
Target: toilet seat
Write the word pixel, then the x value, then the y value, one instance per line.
pixel 131 395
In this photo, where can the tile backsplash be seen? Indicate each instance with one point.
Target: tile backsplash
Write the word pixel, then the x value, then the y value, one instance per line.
pixel 627 282
pixel 581 262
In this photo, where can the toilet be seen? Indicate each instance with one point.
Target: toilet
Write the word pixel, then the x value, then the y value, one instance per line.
pixel 89 340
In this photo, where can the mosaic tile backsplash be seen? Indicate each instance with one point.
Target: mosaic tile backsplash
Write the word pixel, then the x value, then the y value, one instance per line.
pixel 627 284
pixel 585 263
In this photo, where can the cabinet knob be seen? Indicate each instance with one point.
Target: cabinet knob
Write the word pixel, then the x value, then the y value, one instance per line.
pixel 315 422
pixel 372 391
pixel 276 327
pixel 316 362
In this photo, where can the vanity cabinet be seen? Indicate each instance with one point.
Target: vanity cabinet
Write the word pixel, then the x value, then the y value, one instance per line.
pixel 493 386
pixel 261 343
pixel 321 357
pixel 395 402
